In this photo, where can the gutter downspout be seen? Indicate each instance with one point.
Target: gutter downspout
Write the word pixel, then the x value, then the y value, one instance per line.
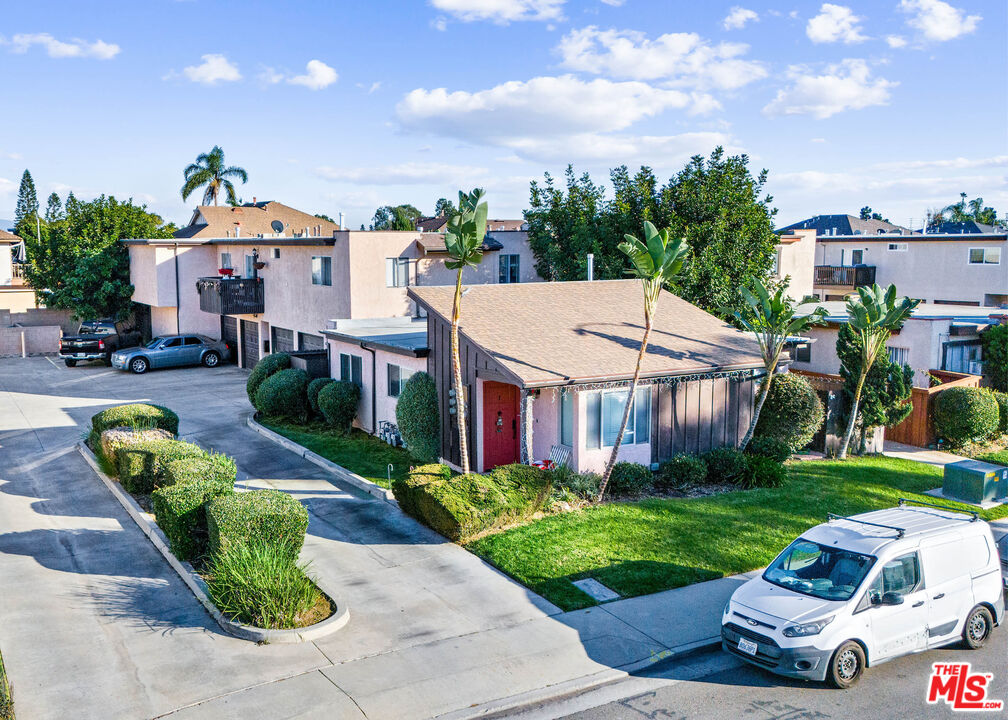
pixel 374 388
pixel 178 327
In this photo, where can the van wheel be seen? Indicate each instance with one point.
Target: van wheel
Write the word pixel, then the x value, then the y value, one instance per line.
pixel 211 359
pixel 978 627
pixel 846 665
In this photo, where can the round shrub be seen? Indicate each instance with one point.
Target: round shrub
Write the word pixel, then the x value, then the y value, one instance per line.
pixel 769 447
pixel 682 472
pixel 792 412
pixel 1002 401
pixel 136 416
pixel 629 478
pixel 284 394
pixel 418 419
pixel 264 368
pixel 764 472
pixel 338 404
pixel 725 465
pixel 314 388
pixel 962 414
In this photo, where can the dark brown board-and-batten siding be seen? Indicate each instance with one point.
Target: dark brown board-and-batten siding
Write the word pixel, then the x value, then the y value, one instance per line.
pixel 695 416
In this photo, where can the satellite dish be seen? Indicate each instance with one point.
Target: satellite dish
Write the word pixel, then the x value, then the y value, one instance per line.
pixel 277 226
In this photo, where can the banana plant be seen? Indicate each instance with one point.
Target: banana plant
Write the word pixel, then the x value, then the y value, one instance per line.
pixel 464 243
pixel 873 316
pixel 655 261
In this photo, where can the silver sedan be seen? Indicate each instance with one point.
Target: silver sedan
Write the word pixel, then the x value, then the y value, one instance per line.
pixel 172 351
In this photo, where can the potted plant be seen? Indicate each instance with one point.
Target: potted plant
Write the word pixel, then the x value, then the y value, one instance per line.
pixel 226 272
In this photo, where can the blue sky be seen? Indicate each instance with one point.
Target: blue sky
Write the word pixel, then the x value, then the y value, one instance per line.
pixel 343 106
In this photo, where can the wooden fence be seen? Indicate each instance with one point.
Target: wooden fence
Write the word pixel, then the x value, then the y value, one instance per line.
pixel 918 428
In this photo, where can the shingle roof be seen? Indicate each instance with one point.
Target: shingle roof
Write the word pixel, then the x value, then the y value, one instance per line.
pixel 561 332
pixel 432 224
pixel 9 237
pixel 970 227
pixel 845 225
pixel 211 221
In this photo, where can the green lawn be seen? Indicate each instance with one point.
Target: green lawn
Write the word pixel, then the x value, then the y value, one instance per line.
pixel 6 701
pixel 999 458
pixel 358 452
pixel 652 545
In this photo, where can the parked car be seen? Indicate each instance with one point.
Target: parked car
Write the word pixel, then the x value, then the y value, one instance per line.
pixel 97 340
pixel 172 351
pixel 1001 538
pixel 858 591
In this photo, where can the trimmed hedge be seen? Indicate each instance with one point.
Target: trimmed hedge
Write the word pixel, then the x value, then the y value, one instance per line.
pixel 180 511
pixel 792 412
pixel 284 394
pixel 1002 401
pixel 141 466
pixel 138 416
pixel 418 419
pixel 314 388
pixel 338 404
pixel 628 478
pixel 769 447
pixel 209 466
pixel 962 414
pixel 115 439
pixel 764 472
pixel 464 506
pixel 726 465
pixel 268 516
pixel 264 368
pixel 681 472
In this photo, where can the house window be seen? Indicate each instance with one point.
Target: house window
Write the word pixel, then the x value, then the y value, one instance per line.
pixel 567 419
pixel 803 353
pixel 321 270
pixel 899 355
pixel 249 263
pixel 225 260
pixel 985 256
pixel 609 408
pixel 897 247
pixel 508 269
pixel 857 257
pixel 396 272
pixel 276 253
pixel 351 369
pixel 397 377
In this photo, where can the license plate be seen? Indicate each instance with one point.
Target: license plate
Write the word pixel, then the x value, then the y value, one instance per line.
pixel 747 646
pixel 80 355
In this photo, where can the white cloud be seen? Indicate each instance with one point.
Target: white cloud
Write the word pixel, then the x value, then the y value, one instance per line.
pixel 440 24
pixel 847 85
pixel 408 173
pixel 818 140
pixel 684 59
pixel 76 47
pixel 938 20
pixel 896 41
pixel 318 75
pixel 834 23
pixel 615 149
pixel 738 17
pixel 540 107
pixel 270 76
pixel 614 3
pixel 215 68
pixel 372 88
pixel 501 11
pixel 6 186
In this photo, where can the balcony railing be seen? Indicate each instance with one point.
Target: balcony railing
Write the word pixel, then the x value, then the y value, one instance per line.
pixel 851 276
pixel 231 296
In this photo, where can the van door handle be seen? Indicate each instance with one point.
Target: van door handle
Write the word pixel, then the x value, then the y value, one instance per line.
pixel 939 596
pixel 918 603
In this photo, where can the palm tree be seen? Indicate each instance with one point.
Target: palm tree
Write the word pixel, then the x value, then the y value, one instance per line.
pixel 209 170
pixel 772 319
pixel 872 315
pixel 655 262
pixel 464 243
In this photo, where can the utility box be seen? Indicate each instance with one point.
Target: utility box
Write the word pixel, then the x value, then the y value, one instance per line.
pixel 313 362
pixel 975 482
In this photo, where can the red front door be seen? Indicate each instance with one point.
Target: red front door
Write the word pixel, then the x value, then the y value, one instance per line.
pixel 500 424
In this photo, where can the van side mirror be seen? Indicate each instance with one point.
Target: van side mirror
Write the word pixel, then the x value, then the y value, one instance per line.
pixel 892 598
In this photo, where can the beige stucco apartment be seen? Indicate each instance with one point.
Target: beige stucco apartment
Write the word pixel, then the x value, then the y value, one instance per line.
pixel 15 295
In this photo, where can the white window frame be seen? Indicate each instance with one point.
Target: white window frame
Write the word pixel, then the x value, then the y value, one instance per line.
pixel 507 262
pixel 349 363
pixel 397 272
pixel 897 247
pixel 898 355
pixel 403 374
pixel 323 261
pixel 630 435
pixel 225 260
pixel 566 408
pixel 984 250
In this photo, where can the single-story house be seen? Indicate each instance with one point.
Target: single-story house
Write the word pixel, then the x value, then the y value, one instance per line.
pixel 548 364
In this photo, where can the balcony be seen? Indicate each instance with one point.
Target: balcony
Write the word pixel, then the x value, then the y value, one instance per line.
pixel 231 296
pixel 847 276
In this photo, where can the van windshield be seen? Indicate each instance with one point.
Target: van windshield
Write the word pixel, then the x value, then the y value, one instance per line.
pixel 824 572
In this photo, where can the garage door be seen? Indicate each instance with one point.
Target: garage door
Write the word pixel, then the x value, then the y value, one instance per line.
pixel 283 340
pixel 307 341
pixel 229 334
pixel 250 343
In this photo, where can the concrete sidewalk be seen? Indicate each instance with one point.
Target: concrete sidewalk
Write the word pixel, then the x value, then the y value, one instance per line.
pixel 940 458
pixel 94 622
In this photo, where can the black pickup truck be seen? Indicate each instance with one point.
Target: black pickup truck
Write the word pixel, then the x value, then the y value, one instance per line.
pixel 97 340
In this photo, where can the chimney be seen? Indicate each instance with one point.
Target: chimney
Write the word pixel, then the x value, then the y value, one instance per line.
pixel 341 221
pixel 237 229
pixel 591 266
pixel 253 199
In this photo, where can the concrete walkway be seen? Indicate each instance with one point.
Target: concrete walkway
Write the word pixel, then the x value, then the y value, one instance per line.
pixel 924 455
pixel 94 622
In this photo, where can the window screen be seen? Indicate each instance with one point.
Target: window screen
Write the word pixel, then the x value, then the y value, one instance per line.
pixel 351 369
pixel 567 419
pixel 396 272
pixel 321 270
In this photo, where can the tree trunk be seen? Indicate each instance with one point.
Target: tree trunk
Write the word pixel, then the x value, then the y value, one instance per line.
pixel 852 420
pixel 764 391
pixel 460 408
pixel 626 411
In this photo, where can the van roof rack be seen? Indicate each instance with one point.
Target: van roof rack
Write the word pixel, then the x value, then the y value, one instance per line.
pixel 900 532
pixel 973 513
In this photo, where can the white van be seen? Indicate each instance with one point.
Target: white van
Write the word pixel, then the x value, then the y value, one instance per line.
pixel 857 591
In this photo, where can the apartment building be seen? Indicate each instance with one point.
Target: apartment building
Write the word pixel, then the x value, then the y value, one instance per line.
pixel 15 295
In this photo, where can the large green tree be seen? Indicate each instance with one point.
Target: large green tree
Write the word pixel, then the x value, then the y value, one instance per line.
pixel 964 211
pixel 395 217
pixel 27 208
pixel 79 264
pixel 210 172
pixel 715 203
pixel 995 355
pixel 444 207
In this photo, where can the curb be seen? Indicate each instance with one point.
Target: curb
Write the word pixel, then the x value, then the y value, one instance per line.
pixel 505 707
pixel 338 470
pixel 198 585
